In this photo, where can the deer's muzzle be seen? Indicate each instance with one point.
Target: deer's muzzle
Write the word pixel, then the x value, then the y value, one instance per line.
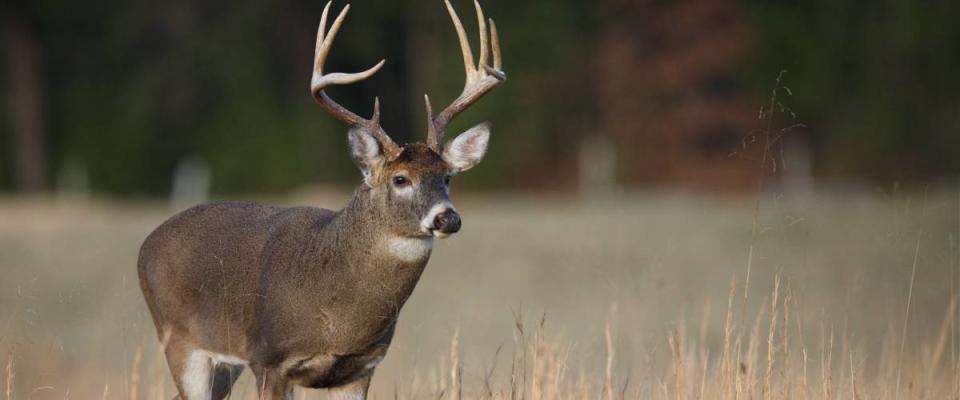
pixel 447 222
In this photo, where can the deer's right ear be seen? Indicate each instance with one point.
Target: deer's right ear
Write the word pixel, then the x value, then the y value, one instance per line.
pixel 466 150
pixel 365 151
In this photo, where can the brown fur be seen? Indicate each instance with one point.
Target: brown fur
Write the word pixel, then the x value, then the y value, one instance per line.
pixel 306 296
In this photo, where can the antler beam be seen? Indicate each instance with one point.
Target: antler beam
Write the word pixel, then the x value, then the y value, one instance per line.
pixel 481 78
pixel 319 82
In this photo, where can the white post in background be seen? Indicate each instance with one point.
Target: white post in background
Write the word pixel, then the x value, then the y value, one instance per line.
pixel 598 167
pixel 73 181
pixel 797 167
pixel 191 183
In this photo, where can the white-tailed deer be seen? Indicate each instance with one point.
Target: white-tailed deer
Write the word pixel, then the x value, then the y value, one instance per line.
pixel 306 296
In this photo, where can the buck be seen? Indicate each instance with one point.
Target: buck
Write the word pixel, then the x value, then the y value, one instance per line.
pixel 307 296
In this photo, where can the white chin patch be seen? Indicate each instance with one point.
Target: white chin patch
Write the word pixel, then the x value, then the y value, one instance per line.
pixel 410 249
pixel 440 235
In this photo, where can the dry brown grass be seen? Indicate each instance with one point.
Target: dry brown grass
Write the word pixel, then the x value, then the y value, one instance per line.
pixel 636 297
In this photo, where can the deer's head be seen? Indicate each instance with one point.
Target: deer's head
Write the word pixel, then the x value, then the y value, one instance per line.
pixel 411 183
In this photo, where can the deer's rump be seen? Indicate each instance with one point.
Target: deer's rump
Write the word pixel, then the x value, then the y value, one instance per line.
pixel 201 270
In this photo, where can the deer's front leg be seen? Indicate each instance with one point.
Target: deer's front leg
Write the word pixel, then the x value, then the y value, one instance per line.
pixel 356 390
pixel 272 385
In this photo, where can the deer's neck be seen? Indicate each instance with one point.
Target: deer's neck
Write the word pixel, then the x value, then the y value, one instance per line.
pixel 344 273
pixel 358 226
pixel 366 248
pixel 362 224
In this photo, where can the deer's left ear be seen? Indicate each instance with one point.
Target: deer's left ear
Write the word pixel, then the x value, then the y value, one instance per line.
pixel 366 152
pixel 466 150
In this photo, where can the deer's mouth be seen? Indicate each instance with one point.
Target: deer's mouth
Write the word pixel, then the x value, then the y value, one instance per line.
pixel 434 232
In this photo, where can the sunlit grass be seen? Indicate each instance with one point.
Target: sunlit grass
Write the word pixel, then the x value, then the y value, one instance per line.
pixel 636 297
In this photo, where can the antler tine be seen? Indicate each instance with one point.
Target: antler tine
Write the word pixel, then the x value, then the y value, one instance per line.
pixel 464 43
pixel 432 137
pixel 495 40
pixel 482 25
pixel 390 149
pixel 480 79
pixel 319 82
pixel 320 35
pixel 337 23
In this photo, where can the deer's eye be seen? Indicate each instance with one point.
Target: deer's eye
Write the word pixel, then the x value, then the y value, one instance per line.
pixel 400 180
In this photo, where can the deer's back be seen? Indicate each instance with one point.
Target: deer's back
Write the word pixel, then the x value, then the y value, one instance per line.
pixel 200 270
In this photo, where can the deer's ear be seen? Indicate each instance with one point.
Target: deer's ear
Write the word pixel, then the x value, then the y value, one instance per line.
pixel 466 150
pixel 365 151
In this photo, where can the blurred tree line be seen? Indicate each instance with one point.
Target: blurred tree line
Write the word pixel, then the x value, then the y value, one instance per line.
pixel 117 93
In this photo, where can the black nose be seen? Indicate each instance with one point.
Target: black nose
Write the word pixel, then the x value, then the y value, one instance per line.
pixel 447 222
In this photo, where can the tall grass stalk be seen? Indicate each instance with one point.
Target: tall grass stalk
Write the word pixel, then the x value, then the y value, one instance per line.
pixel 906 316
pixel 10 376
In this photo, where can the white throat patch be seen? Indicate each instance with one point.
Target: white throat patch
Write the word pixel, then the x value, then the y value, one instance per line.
pixel 410 249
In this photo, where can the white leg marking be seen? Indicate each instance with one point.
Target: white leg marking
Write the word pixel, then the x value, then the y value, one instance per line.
pixel 196 380
pixel 410 249
pixel 225 359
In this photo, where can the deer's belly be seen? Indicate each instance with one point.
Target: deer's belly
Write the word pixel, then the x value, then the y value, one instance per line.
pixel 326 370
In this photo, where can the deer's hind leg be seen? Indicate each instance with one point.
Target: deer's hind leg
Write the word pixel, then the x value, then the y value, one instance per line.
pixel 192 370
pixel 197 375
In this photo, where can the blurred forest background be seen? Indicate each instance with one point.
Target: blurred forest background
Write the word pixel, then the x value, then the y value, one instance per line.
pixel 130 103
pixel 115 97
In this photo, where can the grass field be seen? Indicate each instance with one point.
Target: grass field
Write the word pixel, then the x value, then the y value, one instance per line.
pixel 641 296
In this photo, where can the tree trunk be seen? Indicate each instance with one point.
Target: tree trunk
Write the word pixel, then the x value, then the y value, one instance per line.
pixel 23 66
pixel 668 96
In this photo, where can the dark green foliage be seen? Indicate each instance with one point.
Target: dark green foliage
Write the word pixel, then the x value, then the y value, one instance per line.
pixel 876 82
pixel 133 87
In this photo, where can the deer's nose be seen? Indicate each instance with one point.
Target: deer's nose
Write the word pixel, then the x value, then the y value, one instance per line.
pixel 447 221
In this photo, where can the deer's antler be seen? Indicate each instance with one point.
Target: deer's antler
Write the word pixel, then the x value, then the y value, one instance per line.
pixel 319 81
pixel 481 78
